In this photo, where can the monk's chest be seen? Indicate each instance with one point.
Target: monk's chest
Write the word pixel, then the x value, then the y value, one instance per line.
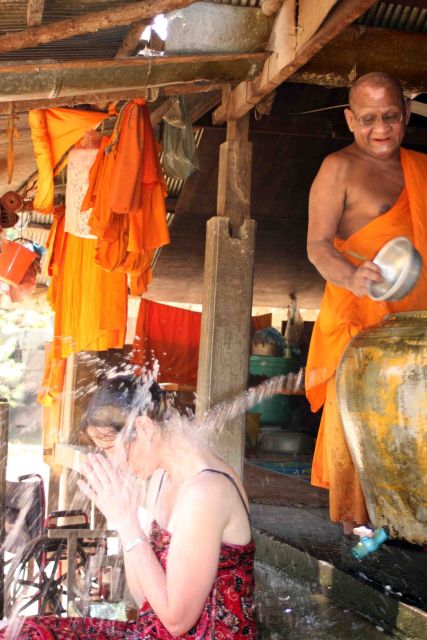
pixel 369 194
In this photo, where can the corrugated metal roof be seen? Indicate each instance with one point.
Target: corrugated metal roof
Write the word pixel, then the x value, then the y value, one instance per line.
pixel 13 14
pixel 90 46
pixel 396 15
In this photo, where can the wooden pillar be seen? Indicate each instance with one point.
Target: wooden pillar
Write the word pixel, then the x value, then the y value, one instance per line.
pixel 4 434
pixel 81 374
pixel 66 426
pixel 227 292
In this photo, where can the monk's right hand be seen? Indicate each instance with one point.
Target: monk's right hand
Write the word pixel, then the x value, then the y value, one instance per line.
pixel 363 274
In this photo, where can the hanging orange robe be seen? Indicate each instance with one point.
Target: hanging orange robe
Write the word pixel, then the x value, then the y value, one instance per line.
pixel 342 316
pixel 127 191
pixel 53 132
pixel 90 304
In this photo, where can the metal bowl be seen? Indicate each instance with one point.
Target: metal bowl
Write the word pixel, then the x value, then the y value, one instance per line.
pixel 400 265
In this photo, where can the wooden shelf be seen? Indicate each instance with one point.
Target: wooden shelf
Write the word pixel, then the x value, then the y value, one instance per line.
pixel 174 386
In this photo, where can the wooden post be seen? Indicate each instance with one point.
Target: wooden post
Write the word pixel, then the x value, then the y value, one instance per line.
pixel 227 292
pixel 4 434
pixel 35 12
pixel 65 430
pixel 81 373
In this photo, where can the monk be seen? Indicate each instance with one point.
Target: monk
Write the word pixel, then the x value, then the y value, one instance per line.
pixel 363 196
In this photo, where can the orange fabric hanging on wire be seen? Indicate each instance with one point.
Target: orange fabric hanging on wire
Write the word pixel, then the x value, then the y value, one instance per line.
pixel 54 132
pixel 171 336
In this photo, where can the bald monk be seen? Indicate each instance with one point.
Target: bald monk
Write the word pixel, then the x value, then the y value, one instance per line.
pixel 363 196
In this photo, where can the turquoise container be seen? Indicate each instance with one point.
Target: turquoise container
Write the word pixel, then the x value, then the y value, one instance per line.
pixel 278 409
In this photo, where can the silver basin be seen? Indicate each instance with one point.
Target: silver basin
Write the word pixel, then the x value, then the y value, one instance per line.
pixel 400 265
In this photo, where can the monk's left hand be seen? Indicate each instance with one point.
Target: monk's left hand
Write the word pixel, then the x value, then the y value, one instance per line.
pixel 114 493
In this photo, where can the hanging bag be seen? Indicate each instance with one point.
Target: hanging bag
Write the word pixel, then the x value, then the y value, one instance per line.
pixel 179 147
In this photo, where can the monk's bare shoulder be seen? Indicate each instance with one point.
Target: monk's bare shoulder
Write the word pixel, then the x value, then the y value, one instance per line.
pixel 328 196
pixel 336 167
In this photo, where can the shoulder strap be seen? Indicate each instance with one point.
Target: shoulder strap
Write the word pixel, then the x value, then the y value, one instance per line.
pixel 227 475
pixel 159 487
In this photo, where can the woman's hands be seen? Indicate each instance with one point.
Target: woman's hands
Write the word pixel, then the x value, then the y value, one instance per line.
pixel 115 493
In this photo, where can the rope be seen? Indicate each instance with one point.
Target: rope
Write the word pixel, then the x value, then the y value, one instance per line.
pixel 12 135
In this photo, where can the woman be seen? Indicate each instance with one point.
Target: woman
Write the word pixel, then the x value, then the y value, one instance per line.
pixel 191 574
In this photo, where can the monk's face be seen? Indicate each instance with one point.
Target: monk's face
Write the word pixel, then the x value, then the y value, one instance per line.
pixel 377 119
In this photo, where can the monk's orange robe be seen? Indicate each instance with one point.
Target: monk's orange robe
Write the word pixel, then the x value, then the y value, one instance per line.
pixel 342 316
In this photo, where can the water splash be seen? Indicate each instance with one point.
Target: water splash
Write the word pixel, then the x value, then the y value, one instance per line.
pixel 203 430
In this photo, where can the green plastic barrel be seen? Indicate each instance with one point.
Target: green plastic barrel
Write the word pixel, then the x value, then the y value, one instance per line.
pixel 276 410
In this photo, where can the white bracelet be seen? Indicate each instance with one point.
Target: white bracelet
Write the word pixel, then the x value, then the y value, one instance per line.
pixel 130 545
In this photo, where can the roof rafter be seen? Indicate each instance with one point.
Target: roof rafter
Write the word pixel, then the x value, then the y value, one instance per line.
pixel 21 106
pixel 358 50
pixel 292 44
pixel 88 23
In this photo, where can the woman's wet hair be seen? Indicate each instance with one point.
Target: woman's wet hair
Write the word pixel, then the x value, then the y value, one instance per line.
pixel 113 402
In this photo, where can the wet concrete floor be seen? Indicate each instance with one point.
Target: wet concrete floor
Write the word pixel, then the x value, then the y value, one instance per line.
pixel 292 610
pixel 297 514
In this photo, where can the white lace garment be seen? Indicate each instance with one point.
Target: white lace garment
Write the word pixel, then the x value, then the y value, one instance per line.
pixel 80 161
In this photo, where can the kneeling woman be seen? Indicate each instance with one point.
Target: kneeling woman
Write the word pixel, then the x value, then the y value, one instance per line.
pixel 191 573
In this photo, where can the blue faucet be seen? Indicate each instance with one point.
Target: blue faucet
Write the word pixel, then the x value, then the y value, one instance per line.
pixel 368 545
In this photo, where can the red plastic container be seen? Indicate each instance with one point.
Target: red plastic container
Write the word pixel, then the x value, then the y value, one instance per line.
pixel 15 260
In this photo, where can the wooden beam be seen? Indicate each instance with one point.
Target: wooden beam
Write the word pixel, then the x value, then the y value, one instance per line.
pixel 197 105
pixel 22 106
pixel 4 439
pixel 157 114
pixel 34 12
pixel 50 80
pixel 292 46
pixel 310 126
pixel 132 38
pixel 200 103
pixel 358 50
pixel 89 23
pixel 419 108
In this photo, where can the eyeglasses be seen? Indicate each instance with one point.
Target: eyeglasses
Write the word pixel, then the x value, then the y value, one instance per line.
pixel 372 120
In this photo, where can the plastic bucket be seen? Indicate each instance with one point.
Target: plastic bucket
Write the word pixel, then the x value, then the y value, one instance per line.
pixel 15 260
pixel 278 409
